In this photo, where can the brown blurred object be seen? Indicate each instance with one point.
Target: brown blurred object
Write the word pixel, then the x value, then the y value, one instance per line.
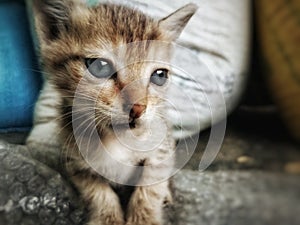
pixel 278 29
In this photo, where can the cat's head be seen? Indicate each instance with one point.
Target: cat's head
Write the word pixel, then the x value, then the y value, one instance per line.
pixel 117 55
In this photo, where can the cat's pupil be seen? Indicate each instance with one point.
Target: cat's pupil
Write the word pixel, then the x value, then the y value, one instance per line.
pixel 159 77
pixel 100 68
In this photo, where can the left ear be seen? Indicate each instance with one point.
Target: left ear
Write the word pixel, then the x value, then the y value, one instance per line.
pixel 172 25
pixel 51 18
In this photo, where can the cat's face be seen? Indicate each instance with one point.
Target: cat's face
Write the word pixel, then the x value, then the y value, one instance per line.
pixel 114 59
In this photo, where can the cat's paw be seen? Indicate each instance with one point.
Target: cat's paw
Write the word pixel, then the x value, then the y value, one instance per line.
pixel 142 219
pixel 106 222
pixel 109 219
pixel 114 222
pixel 143 223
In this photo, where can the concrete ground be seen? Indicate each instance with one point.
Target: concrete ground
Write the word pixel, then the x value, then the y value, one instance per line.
pixel 255 178
pixel 253 141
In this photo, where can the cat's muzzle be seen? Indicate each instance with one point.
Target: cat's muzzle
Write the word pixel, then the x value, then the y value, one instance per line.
pixel 135 113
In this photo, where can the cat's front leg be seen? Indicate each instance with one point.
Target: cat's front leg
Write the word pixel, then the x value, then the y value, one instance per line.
pixel 146 204
pixel 103 203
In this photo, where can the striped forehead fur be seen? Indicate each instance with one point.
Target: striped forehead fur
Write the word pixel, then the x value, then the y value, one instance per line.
pixel 112 23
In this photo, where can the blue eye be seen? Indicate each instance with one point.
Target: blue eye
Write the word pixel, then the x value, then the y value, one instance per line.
pixel 159 77
pixel 100 68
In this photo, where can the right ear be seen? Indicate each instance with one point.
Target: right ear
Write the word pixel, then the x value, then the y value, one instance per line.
pixel 52 17
pixel 173 24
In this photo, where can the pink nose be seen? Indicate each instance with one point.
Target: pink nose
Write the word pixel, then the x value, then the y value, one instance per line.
pixel 137 111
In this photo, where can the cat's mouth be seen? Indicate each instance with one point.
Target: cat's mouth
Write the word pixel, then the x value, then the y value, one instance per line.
pixel 132 123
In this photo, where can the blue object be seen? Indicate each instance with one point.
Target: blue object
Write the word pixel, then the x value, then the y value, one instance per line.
pixel 20 81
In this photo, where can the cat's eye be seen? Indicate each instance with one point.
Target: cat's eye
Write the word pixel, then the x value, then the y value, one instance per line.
pixel 100 68
pixel 159 77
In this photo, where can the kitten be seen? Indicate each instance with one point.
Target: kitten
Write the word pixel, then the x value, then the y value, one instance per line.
pixel 108 64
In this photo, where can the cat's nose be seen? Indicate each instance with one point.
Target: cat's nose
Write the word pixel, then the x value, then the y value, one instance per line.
pixel 137 111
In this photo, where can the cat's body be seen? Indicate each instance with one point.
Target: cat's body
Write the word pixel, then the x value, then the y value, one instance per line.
pixel 110 92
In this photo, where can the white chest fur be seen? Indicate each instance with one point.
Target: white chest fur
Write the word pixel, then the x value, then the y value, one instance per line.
pixel 122 157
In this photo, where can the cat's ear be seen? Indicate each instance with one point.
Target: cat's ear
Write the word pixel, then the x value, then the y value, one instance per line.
pixel 172 25
pixel 51 17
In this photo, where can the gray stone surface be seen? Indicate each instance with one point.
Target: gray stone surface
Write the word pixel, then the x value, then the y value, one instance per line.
pixel 255 179
pixel 32 193
pixel 235 198
pixel 253 141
